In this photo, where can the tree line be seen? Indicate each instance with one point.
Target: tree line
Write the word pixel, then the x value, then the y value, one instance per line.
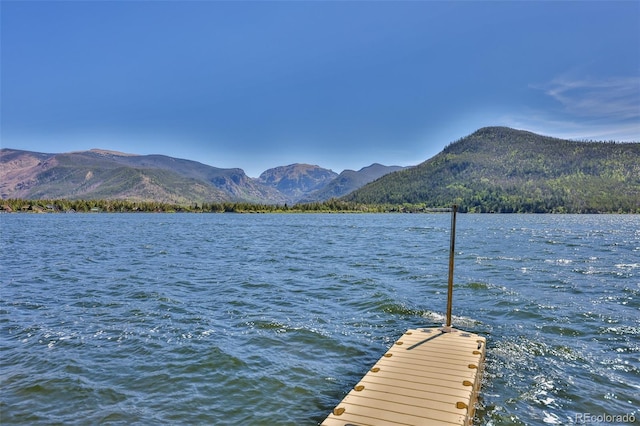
pixel 132 206
pixel 473 202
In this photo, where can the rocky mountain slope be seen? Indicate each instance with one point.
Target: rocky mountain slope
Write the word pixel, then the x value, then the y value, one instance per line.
pixel 106 174
pixel 297 180
pixel 103 174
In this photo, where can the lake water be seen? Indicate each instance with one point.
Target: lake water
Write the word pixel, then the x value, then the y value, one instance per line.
pixel 229 319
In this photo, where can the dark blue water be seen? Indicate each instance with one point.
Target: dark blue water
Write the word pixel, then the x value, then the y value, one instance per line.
pixel 270 319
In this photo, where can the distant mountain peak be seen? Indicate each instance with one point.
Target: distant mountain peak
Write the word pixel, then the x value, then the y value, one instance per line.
pixel 298 179
pixel 350 180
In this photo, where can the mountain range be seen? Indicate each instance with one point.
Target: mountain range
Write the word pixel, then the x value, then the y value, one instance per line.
pixel 495 169
pixel 104 174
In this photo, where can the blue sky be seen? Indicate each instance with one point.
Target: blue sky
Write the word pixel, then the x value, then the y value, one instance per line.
pixel 338 84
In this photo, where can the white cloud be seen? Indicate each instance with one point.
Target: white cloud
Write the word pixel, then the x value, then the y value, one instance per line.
pixel 606 109
pixel 615 97
pixel 571 129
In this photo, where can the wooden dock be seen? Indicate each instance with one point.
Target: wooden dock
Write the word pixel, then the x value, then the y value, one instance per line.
pixel 430 376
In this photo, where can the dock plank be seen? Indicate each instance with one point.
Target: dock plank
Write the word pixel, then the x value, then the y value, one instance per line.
pixel 427 377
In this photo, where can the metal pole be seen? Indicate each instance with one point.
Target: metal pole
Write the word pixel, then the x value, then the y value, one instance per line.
pixel 454 209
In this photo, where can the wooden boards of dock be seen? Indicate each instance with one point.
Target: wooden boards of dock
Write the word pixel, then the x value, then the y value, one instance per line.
pixel 430 376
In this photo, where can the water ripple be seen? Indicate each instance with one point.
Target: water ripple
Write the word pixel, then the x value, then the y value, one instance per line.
pixel 243 319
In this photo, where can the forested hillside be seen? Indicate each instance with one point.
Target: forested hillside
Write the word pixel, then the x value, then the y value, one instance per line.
pixel 498 169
